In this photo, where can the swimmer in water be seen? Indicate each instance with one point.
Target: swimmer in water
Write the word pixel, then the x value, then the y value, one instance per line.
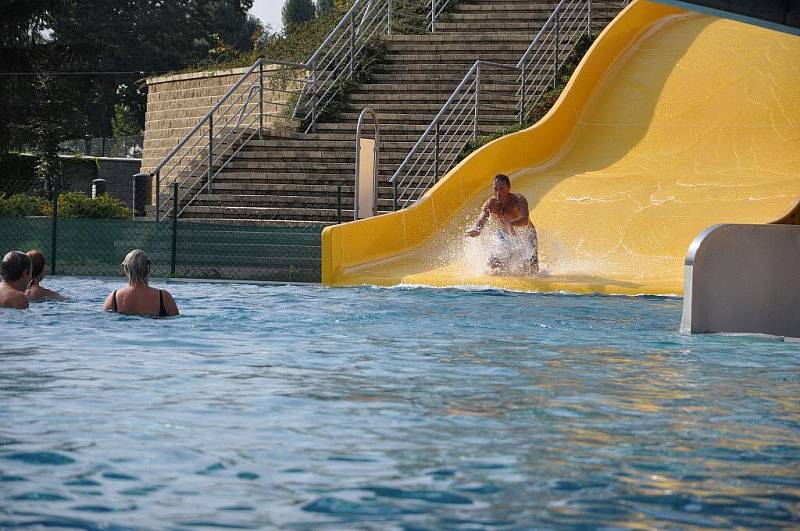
pixel 35 292
pixel 138 298
pixel 510 211
pixel 15 275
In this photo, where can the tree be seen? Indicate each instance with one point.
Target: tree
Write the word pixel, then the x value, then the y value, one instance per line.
pixel 296 12
pixel 325 6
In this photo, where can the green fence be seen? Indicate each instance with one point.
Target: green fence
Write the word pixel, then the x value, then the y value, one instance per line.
pixel 202 250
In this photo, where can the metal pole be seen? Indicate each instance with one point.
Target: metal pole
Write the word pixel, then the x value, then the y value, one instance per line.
pixel 352 44
pixel 389 17
pixel 158 196
pixel 54 226
pixel 260 99
pixel 339 204
pixel 436 151
pixel 174 228
pixel 394 195
pixel 477 102
pixel 433 16
pixel 589 18
pixel 314 96
pixel 522 90
pixel 210 148
pixel 555 58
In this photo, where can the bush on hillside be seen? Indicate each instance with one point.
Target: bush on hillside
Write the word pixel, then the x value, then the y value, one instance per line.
pixel 296 12
pixel 80 206
pixel 22 205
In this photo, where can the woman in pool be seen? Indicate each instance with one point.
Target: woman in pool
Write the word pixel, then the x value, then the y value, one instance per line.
pixel 35 291
pixel 139 298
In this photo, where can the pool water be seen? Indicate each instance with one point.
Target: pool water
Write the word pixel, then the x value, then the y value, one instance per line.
pixel 302 407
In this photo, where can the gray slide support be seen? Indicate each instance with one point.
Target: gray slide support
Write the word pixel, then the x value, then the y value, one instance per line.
pixel 743 279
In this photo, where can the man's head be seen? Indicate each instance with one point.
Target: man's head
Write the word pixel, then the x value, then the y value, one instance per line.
pixel 37 264
pixel 16 269
pixel 136 267
pixel 502 187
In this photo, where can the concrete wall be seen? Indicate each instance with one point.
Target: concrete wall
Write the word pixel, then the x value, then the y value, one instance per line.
pixel 117 172
pixel 176 103
pixel 743 279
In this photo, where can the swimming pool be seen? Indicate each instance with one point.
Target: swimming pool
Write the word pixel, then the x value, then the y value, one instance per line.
pixel 303 407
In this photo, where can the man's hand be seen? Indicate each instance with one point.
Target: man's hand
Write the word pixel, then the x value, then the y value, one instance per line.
pixel 474 231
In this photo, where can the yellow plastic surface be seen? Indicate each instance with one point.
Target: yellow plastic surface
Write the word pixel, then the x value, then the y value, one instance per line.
pixel 673 122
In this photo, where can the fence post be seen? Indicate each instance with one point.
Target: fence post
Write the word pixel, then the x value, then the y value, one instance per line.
pixel 436 151
pixel 158 196
pixel 522 89
pixel 260 99
pixel 314 96
pixel 589 17
pixel 555 58
pixel 433 16
pixel 339 204
pixel 54 226
pixel 210 148
pixel 352 44
pixel 174 228
pixel 477 101
pixel 389 17
pixel 394 194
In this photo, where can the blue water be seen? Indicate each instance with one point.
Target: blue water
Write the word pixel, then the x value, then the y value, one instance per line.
pixel 301 407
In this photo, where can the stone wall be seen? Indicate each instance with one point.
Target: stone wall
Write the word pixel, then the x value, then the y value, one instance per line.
pixel 176 103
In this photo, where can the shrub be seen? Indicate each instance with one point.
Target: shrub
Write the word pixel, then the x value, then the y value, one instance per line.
pixel 79 205
pixel 297 12
pixel 21 205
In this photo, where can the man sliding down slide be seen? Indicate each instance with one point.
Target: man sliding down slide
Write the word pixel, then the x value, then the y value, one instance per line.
pixel 516 234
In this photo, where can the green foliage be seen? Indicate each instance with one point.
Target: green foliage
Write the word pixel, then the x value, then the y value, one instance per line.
pixel 17 174
pixel 124 122
pixel 21 205
pixel 79 205
pixel 325 6
pixel 296 12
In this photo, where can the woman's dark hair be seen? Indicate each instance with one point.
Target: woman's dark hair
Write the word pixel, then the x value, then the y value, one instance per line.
pixel 37 262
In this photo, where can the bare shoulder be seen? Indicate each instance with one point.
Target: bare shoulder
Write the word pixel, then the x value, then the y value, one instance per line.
pixel 490 204
pixel 169 303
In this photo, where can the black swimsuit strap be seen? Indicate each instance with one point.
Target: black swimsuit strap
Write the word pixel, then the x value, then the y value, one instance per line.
pixel 114 301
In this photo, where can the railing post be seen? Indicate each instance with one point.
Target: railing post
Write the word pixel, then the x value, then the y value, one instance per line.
pixel 158 196
pixel 174 228
pixel 522 89
pixel 433 16
pixel 555 57
pixel 389 17
pixel 436 151
pixel 260 99
pixel 210 149
pixel 352 44
pixel 394 194
pixel 54 226
pixel 314 96
pixel 589 17
pixel 477 102
pixel 339 204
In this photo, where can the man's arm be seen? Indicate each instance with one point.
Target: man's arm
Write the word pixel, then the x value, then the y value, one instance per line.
pixel 481 221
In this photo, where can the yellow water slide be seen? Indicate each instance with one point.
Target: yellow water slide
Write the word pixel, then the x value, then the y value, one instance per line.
pixel 673 122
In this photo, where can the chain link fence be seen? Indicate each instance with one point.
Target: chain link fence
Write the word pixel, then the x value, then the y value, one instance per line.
pixel 78 243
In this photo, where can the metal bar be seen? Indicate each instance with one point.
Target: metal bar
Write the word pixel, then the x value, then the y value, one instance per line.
pixel 352 44
pixel 210 148
pixel 206 117
pixel 260 99
pixel 389 17
pixel 339 203
pixel 339 26
pixel 174 228
pixel 158 196
pixel 541 31
pixel 394 195
pixel 314 94
pixel 555 57
pixel 589 18
pixel 54 226
pixel 433 16
pixel 436 151
pixel 477 102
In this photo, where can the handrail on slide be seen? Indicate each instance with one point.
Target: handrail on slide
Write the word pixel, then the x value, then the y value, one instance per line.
pixel 458 121
pixel 377 151
pixel 238 115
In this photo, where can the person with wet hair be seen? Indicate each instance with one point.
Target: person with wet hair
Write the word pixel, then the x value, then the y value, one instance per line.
pixel 138 298
pixel 515 231
pixel 15 274
pixel 35 291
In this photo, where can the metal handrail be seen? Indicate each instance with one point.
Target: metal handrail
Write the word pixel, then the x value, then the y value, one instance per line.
pixel 377 148
pixel 332 63
pixel 437 148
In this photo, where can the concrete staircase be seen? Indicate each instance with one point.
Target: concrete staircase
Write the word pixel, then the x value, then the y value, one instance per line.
pixel 288 178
